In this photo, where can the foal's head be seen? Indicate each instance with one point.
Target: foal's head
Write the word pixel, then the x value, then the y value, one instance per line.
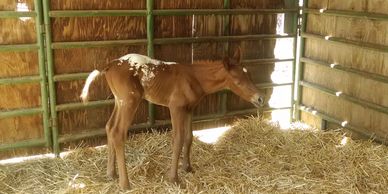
pixel 238 80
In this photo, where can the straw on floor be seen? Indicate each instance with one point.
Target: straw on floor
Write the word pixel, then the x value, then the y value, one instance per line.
pixel 253 157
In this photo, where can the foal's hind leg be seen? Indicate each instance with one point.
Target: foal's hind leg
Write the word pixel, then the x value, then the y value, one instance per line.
pixel 124 114
pixel 111 170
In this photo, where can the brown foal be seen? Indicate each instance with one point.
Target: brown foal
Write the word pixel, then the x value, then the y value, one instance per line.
pixel 177 86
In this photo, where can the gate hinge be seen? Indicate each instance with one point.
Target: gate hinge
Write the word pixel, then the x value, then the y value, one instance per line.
pixel 52 123
pixel 42 29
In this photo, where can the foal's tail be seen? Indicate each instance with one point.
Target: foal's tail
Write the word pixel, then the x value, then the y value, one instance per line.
pixel 92 76
pixel 89 80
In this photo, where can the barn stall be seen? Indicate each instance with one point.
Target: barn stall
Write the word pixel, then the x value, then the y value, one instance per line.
pixel 49 47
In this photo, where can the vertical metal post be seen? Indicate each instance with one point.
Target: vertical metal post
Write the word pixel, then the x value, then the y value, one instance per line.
pixel 39 25
pixel 300 68
pixel 150 52
pixel 226 21
pixel 50 76
pixel 294 29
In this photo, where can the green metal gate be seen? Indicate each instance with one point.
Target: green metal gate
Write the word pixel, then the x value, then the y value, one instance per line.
pixel 50 108
pixel 39 47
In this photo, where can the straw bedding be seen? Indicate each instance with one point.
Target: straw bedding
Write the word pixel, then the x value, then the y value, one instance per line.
pixel 253 157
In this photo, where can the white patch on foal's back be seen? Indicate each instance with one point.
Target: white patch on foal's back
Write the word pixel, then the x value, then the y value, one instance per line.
pixel 141 63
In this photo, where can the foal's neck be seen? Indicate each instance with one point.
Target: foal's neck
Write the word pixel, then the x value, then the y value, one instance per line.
pixel 210 75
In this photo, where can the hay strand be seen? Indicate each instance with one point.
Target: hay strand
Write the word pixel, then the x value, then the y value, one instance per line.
pixel 252 157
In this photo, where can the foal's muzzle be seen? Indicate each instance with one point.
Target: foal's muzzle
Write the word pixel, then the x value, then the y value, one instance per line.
pixel 258 101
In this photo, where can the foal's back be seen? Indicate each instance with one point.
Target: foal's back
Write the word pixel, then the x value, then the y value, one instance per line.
pixel 163 83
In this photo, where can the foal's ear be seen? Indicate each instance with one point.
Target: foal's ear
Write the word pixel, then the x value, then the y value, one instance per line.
pixel 227 63
pixel 235 60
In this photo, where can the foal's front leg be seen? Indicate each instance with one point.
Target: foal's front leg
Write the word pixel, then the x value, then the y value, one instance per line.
pixel 178 116
pixel 187 143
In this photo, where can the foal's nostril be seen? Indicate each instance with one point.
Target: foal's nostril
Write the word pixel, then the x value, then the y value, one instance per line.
pixel 261 101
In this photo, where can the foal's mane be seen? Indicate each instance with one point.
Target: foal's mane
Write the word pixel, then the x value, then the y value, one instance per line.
pixel 208 63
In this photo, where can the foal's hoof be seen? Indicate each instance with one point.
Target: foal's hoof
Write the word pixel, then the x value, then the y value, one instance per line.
pixel 112 176
pixel 170 179
pixel 124 186
pixel 174 181
pixel 188 169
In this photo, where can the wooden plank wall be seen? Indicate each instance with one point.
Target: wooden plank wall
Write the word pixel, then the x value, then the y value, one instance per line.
pixel 363 30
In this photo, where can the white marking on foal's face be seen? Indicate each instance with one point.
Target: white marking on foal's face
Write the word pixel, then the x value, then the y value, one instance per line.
pixel 245 70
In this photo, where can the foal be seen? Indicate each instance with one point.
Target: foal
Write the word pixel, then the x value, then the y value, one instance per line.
pixel 176 86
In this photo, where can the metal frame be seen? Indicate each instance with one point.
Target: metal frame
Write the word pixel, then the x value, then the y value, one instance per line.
pixel 41 78
pixel 150 42
pixel 295 27
pixel 223 109
pixel 337 67
pixel 150 52
pixel 300 67
pixel 46 54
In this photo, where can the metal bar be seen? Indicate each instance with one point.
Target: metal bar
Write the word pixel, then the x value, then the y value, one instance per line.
pixel 20 80
pixel 94 13
pixel 223 102
pixel 225 11
pixel 226 32
pixel 23 144
pixel 20 112
pixel 323 124
pixel 344 41
pixel 101 131
pixel 347 97
pixel 100 103
pixel 219 38
pixel 265 61
pixel 79 76
pixel 105 43
pixel 329 118
pixel 135 128
pixel 94 44
pixel 19 47
pixel 70 77
pixel 42 71
pixel 50 76
pixel 150 51
pixel 294 28
pixel 346 13
pixel 367 75
pixel 82 135
pixel 80 105
pixel 17 14
pixel 166 12
pixel 272 85
pixel 300 66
